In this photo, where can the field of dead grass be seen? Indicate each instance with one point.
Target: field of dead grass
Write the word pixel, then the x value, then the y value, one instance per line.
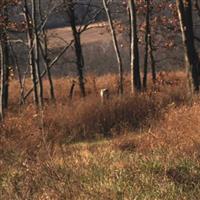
pixel 143 146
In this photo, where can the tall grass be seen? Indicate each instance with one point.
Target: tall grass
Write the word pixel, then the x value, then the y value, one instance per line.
pixel 88 118
pixel 90 150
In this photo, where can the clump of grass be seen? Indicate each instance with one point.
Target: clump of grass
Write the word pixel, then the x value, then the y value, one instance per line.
pixel 89 117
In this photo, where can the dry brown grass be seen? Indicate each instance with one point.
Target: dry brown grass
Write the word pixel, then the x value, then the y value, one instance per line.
pixel 88 118
pixel 143 146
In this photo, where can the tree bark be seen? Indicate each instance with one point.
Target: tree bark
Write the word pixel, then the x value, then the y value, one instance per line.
pixel 146 51
pixel 153 62
pixel 4 86
pixel 116 47
pixel 5 48
pixel 78 46
pixel 135 60
pixel 184 8
pixel 15 61
pixel 36 52
pixel 2 94
pixel 44 53
pixel 31 54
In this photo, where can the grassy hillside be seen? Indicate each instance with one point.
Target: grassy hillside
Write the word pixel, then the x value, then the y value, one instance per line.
pixel 138 147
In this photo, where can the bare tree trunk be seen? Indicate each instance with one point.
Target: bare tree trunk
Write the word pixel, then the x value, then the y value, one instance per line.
pixel 135 61
pixel 44 53
pixel 31 54
pixel 36 52
pixel 153 62
pixel 116 47
pixel 146 51
pixel 6 59
pixel 52 63
pixel 15 60
pixel 4 86
pixel 77 44
pixel 191 57
pixel 6 74
pixel 2 79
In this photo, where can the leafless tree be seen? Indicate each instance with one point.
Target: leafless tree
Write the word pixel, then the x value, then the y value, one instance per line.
pixel 116 46
pixel 30 39
pixel 35 47
pixel 43 44
pixel 70 9
pixel 4 52
pixel 146 51
pixel 191 56
pixel 135 60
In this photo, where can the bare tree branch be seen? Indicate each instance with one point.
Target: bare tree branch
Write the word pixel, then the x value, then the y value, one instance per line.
pixel 52 63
